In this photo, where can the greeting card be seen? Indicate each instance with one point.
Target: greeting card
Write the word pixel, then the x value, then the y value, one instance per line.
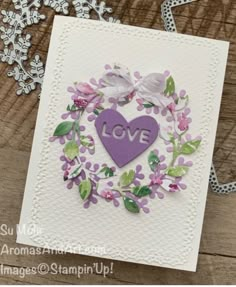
pixel 123 143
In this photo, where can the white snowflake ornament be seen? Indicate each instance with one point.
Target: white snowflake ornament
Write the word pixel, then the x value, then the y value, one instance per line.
pixel 60 6
pixel 17 43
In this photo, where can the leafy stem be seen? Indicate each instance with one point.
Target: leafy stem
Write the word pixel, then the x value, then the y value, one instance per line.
pixel 175 156
pixel 76 126
pixel 120 190
pixel 177 147
pixel 175 151
pixel 124 190
pixel 74 131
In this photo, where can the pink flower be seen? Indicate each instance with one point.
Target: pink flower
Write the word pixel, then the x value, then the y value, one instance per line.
pixel 140 101
pixel 108 194
pixel 171 107
pixel 157 179
pixel 81 103
pixel 85 88
pixel 131 96
pixel 173 187
pixel 176 185
pixel 183 122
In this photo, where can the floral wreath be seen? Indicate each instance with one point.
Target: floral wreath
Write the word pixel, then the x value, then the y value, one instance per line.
pixel 156 94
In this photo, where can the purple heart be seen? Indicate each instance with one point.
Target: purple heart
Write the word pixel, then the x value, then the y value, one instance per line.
pixel 123 140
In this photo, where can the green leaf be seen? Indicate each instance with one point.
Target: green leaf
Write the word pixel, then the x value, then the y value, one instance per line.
pixel 107 171
pixel 63 128
pixel 71 149
pixel 148 105
pixel 127 178
pixel 170 86
pixel 177 171
pixel 153 160
pixel 96 112
pixel 131 205
pixel 190 147
pixel 86 141
pixel 141 191
pixel 85 188
pixel 75 172
pixel 73 108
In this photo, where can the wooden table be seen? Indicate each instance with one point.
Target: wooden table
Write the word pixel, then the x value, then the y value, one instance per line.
pixel 217 259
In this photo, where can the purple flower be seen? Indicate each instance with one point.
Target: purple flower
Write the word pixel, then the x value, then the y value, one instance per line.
pixel 73 114
pixel 181 162
pixel 92 199
pixel 174 185
pixel 75 92
pixel 182 93
pixel 92 168
pixel 169 112
pixel 141 202
pixel 76 181
pixel 98 84
pixel 91 117
pixel 93 196
pixel 95 103
pixel 148 107
pixel 86 143
pixel 188 138
pixel 138 175
pixel 61 139
pixel 156 192
pixel 67 163
pixel 114 102
pixel 159 179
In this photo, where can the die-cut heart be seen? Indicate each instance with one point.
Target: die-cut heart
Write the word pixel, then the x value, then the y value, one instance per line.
pixel 123 140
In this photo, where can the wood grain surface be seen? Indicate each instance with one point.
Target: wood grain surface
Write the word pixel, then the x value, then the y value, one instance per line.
pixel 217 260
